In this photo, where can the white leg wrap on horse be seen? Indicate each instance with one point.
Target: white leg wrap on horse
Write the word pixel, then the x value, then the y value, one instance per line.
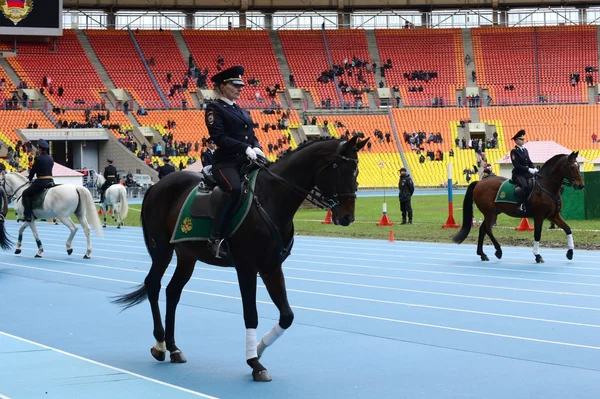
pixel 269 338
pixel 251 343
pixel 536 247
pixel 571 244
pixel 160 346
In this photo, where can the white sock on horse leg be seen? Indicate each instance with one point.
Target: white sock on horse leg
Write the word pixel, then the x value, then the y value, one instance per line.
pixel 160 346
pixel 251 343
pixel 571 244
pixel 269 338
pixel 536 247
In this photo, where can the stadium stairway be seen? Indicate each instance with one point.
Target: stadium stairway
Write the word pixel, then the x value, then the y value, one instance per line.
pixel 374 50
pixel 468 50
pixel 284 67
pixel 10 72
pixel 91 54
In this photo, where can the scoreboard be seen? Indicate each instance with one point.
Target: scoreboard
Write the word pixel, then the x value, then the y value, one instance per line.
pixel 31 17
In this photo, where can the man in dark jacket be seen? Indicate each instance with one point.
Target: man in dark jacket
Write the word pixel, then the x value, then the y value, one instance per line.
pixel 207 155
pixel 407 188
pixel 166 168
pixel 523 170
pixel 111 177
pixel 42 170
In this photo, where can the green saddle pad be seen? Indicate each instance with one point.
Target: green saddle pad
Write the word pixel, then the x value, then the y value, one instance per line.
pixel 189 228
pixel 506 193
pixel 38 201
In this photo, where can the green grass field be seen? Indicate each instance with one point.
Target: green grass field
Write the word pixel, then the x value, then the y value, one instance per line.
pixel 430 212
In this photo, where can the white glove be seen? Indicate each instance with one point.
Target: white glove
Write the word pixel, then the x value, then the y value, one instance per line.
pixel 533 171
pixel 250 154
pixel 258 151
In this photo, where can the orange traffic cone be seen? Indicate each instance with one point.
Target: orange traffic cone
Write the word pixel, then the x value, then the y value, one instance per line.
pixel 327 218
pixel 100 211
pixel 524 225
pixel 392 239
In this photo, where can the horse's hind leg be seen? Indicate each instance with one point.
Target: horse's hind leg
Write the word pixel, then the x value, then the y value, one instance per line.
pixel 73 228
pixel 161 257
pixel 537 237
pixel 275 284
pixel 20 237
pixel 183 272
pixel 104 211
pixel 88 237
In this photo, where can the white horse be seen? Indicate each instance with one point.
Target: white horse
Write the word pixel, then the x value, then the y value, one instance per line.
pixel 115 197
pixel 61 202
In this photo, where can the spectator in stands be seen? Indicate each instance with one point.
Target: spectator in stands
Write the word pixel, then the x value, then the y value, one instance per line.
pixel 166 169
pixel 61 91
pixel 407 189
pixel 594 138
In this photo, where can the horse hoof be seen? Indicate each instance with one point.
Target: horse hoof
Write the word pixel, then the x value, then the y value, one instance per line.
pixel 539 259
pixel 570 254
pixel 498 254
pixel 104 226
pixel 118 227
pixel 177 357
pixel 86 256
pixel 17 251
pixel 37 256
pixel 69 251
pixel 261 376
pixel 158 355
pixel 485 258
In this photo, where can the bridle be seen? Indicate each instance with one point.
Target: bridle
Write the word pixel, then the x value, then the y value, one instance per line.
pixel 14 192
pixel 325 201
pixel 568 181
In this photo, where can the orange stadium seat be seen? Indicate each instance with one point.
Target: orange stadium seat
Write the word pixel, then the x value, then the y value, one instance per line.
pixel 126 72
pixel 161 46
pixel 427 50
pixel 190 125
pixel 68 67
pixel 252 49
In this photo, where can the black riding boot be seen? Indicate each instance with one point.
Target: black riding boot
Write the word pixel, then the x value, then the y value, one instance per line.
pixel 27 211
pixel 216 242
pixel 102 196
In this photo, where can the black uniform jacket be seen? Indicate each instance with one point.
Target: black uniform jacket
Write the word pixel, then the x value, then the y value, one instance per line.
pixel 521 162
pixel 110 174
pixel 232 130
pixel 42 166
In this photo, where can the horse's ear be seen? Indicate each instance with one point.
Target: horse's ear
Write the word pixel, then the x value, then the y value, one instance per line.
pixel 359 146
pixel 573 155
pixel 349 144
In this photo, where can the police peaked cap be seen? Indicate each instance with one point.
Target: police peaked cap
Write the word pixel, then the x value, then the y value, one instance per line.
pixel 109 160
pixel 43 144
pixel 520 133
pixel 166 159
pixel 230 75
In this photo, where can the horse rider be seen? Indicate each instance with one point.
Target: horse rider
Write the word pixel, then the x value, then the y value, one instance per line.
pixel 523 169
pixel 166 168
pixel 42 169
pixel 111 177
pixel 207 155
pixel 231 129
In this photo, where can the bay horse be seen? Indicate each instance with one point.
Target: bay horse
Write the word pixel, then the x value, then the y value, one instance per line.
pixel 60 202
pixel 324 171
pixel 5 242
pixel 115 197
pixel 544 203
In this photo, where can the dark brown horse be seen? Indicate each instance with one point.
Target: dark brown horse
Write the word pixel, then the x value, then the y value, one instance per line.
pixel 545 203
pixel 261 243
pixel 5 243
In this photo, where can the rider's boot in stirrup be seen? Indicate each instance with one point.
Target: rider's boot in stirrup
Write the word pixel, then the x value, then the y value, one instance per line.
pixel 216 242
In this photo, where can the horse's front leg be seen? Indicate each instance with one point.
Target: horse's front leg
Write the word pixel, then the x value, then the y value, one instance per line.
pixel 20 238
pixel 560 222
pixel 247 280
pixel 537 236
pixel 36 236
pixel 104 211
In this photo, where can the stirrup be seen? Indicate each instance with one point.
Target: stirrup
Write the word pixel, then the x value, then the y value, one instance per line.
pixel 218 247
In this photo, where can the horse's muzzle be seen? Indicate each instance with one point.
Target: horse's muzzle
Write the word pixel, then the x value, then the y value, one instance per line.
pixel 578 186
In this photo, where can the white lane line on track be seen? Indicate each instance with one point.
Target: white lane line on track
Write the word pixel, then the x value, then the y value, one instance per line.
pixel 341 313
pixel 166 384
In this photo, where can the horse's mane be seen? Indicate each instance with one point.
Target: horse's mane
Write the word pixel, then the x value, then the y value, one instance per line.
pixel 301 146
pixel 549 165
pixel 20 176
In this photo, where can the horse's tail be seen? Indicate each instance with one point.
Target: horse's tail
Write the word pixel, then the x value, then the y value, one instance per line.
pixel 90 212
pixel 123 202
pixel 467 215
pixel 143 221
pixel 5 242
pixel 133 298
